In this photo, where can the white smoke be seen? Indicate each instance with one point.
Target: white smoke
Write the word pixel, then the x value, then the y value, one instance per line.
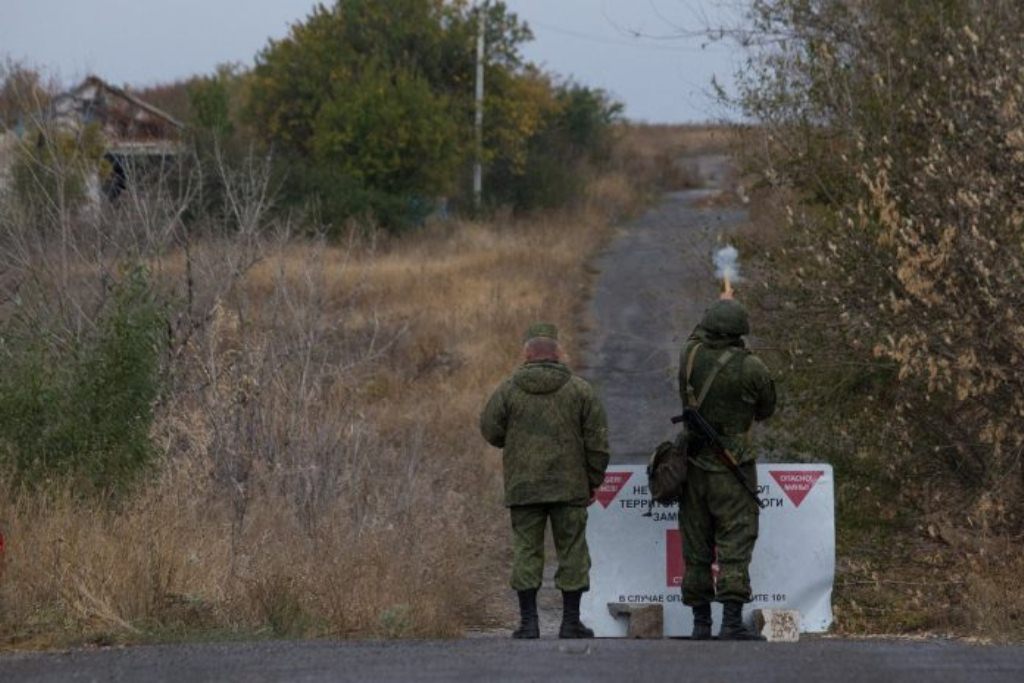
pixel 727 264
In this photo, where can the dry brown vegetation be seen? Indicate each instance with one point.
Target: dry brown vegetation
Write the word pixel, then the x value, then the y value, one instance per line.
pixel 320 469
pixel 919 550
pixel 662 153
pixel 653 140
pixel 891 163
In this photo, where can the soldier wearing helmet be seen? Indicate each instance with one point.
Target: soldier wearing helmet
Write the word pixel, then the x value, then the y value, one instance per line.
pixel 731 388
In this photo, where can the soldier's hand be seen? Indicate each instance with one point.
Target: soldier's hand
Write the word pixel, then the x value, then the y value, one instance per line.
pixel 727 296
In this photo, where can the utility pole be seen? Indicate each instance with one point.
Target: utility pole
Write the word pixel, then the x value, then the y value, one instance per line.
pixel 478 166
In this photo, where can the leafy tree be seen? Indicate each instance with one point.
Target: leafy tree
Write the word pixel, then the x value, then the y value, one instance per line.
pixel 568 133
pixel 210 100
pixel 389 131
pixel 369 103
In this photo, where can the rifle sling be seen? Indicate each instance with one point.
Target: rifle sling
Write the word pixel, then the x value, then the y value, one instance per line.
pixel 722 361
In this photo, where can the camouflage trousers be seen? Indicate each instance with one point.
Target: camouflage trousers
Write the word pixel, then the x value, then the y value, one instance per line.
pixel 568 530
pixel 717 513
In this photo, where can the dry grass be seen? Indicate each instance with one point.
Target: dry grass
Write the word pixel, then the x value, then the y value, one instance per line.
pixel 659 156
pixel 650 140
pixel 324 475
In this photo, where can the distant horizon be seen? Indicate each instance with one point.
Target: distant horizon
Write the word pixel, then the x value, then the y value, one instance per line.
pixel 603 46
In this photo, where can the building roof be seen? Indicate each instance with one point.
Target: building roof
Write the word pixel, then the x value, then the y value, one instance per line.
pixel 129 124
pixel 123 93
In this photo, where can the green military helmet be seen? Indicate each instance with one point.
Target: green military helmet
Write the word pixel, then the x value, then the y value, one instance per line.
pixel 541 330
pixel 727 317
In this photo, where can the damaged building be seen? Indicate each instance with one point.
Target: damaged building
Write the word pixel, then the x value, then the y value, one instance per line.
pixel 138 138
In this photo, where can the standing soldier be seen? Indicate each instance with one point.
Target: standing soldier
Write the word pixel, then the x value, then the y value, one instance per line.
pixel 731 388
pixel 554 433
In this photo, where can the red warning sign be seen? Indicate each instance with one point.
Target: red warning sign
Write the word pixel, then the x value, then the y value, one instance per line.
pixel 637 549
pixel 796 483
pixel 613 483
pixel 675 565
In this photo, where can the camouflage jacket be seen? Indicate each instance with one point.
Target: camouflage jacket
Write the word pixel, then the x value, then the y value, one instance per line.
pixel 743 392
pixel 554 433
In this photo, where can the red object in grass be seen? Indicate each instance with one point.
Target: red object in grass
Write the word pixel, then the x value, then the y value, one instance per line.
pixel 1 543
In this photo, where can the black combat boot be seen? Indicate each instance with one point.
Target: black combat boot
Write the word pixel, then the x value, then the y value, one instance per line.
pixel 572 627
pixel 732 624
pixel 701 622
pixel 529 625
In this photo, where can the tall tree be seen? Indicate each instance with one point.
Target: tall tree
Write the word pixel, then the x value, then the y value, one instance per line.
pixel 369 101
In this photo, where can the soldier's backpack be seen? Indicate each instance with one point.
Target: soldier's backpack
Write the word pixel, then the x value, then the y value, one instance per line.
pixel 666 470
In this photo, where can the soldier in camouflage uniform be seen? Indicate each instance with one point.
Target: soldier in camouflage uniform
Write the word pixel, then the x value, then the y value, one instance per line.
pixel 732 388
pixel 554 433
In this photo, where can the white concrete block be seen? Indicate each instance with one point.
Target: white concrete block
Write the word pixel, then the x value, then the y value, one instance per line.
pixel 778 625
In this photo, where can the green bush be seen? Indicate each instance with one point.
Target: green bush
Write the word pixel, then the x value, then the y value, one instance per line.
pixel 575 137
pixel 83 410
pixel 51 168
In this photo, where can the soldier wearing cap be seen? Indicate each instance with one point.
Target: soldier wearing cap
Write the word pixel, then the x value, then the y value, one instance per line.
pixel 732 388
pixel 553 431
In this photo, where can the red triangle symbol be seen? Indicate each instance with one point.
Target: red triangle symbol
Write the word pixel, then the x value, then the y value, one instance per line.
pixel 613 483
pixel 796 483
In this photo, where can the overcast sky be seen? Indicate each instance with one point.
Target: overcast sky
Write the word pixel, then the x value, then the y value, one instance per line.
pixel 145 41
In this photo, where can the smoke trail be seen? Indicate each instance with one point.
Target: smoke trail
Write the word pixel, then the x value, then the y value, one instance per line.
pixel 727 266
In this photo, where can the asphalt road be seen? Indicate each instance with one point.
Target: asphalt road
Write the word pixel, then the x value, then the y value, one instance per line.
pixel 494 659
pixel 655 281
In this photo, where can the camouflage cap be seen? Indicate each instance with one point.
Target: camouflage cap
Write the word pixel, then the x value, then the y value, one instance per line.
pixel 541 330
pixel 727 317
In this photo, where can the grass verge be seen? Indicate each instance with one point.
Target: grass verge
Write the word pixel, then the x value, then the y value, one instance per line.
pixel 323 475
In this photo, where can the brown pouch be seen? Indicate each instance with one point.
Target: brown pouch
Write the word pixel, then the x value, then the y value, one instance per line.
pixel 666 471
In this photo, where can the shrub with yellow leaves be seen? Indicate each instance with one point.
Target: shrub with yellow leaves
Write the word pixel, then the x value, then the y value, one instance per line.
pixel 893 133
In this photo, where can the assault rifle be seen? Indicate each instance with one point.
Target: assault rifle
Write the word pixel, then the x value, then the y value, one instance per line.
pixel 700 426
